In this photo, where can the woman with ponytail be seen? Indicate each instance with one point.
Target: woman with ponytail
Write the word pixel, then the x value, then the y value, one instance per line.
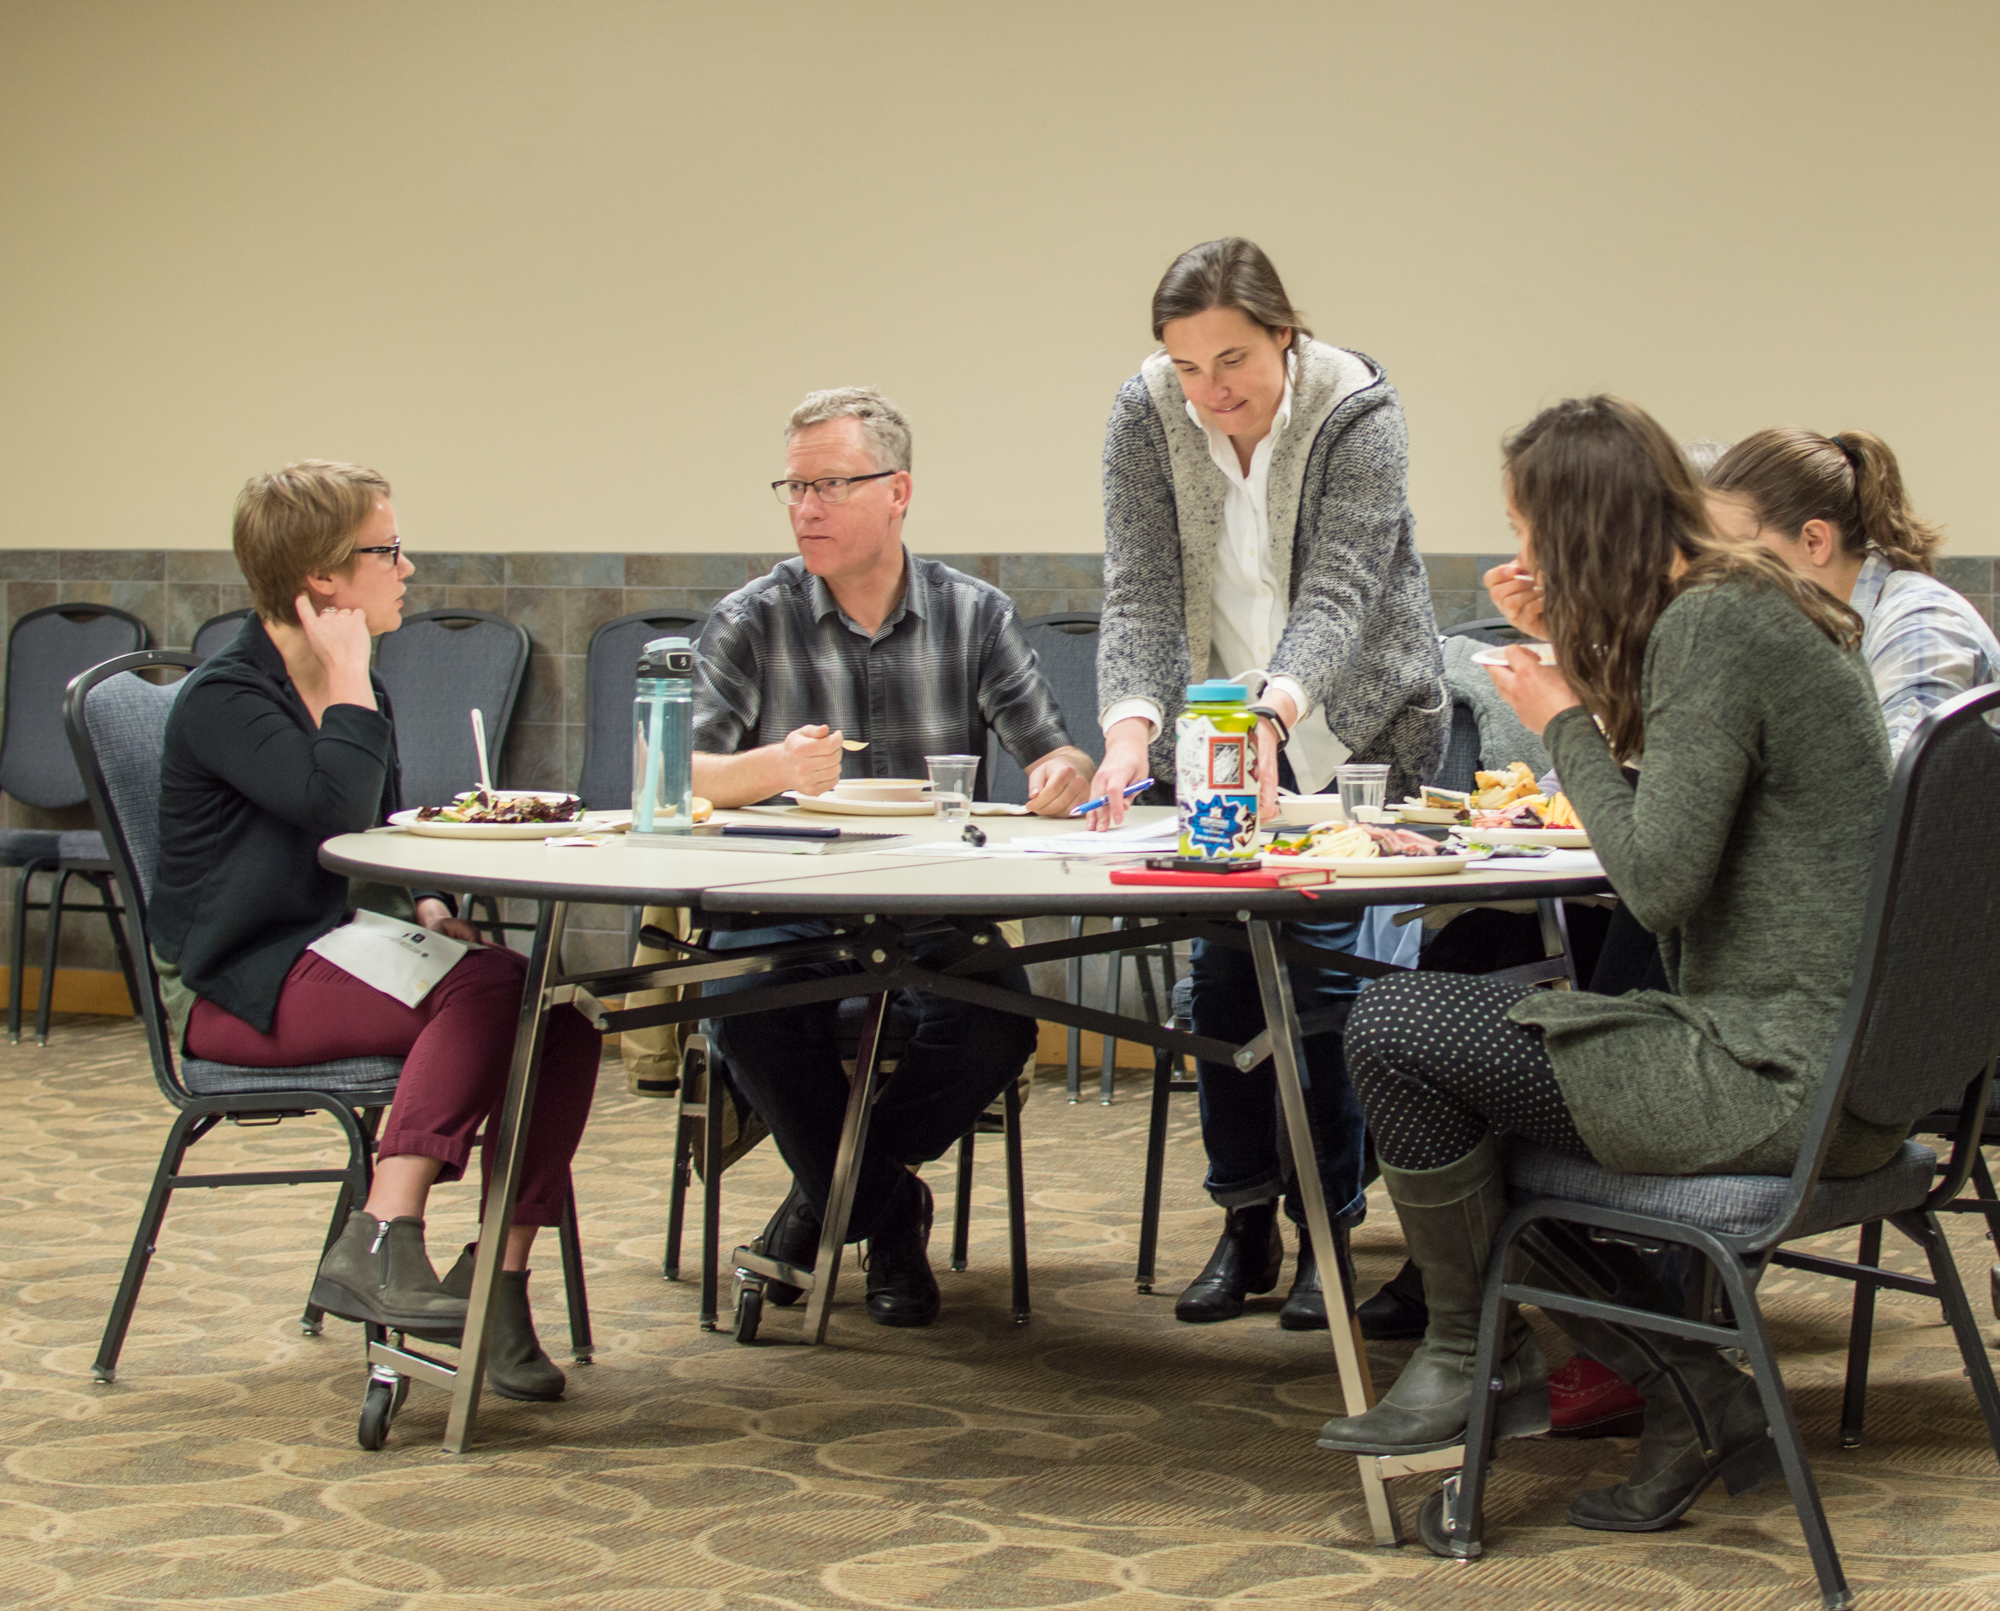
pixel 1833 509
pixel 1743 840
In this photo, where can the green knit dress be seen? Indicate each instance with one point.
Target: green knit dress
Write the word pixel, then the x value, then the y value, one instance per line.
pixel 1746 846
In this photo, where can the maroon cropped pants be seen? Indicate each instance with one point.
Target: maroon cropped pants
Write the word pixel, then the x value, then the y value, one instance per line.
pixel 457 1045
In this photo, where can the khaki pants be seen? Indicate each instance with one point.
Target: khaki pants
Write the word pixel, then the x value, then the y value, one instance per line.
pixel 652 1057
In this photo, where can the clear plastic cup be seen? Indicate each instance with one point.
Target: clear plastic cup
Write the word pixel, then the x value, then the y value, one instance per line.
pixel 1363 789
pixel 951 785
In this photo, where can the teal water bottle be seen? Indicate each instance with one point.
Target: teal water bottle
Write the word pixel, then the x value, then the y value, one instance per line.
pixel 663 738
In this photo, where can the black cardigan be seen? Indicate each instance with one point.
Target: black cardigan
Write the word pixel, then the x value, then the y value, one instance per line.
pixel 249 790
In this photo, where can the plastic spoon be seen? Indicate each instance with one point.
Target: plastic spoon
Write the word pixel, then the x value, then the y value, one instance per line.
pixel 479 745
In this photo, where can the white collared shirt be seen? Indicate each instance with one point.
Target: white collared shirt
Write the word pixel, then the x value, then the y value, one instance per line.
pixel 1250 602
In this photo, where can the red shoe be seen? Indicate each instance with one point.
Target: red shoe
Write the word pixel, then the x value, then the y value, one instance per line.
pixel 1589 1400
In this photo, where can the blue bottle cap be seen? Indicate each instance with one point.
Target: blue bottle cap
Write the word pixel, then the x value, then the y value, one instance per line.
pixel 1215 692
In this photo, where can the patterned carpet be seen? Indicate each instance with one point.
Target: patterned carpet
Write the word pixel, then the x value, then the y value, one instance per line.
pixel 1101 1456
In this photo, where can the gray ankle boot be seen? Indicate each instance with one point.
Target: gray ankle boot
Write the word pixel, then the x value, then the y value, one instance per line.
pixel 378 1271
pixel 1450 1217
pixel 1704 1420
pixel 516 1366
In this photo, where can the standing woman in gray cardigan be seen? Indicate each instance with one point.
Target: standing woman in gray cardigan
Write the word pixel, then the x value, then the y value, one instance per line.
pixel 1256 528
pixel 1745 845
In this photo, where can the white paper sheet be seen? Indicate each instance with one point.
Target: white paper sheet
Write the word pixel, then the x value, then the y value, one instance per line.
pixel 1556 861
pixel 1148 839
pixel 399 959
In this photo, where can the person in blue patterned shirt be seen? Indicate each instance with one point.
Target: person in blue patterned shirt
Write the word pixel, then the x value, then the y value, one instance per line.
pixel 856 638
pixel 1834 509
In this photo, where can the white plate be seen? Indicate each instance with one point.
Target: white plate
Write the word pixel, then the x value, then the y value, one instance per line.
pixel 1309 810
pixel 1381 866
pixel 1497 655
pixel 1561 838
pixel 1435 816
pixel 591 821
pixel 835 806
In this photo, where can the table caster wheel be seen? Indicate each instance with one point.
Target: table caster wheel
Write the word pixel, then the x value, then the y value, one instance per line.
pixel 749 1311
pixel 1433 1524
pixel 379 1405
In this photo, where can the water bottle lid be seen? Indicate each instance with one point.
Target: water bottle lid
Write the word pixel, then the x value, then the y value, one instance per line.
pixel 667 657
pixel 1217 692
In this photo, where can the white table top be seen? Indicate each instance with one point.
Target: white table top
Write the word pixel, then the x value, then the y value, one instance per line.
pixel 621 873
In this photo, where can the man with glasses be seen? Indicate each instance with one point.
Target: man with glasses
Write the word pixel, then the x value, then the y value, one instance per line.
pixel 858 639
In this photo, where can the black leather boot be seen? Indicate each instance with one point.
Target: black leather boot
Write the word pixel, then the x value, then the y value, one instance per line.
pixel 1249 1257
pixel 1450 1216
pixel 793 1236
pixel 1397 1311
pixel 901 1289
pixel 1704 1420
pixel 1305 1304
pixel 378 1270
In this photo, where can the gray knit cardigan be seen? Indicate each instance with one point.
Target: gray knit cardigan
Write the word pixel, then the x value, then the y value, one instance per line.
pixel 1360 636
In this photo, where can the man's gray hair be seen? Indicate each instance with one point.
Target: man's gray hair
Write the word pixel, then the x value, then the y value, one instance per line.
pixel 883 427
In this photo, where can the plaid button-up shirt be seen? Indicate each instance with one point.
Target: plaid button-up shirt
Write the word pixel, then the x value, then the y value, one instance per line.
pixel 1923 643
pixel 949 663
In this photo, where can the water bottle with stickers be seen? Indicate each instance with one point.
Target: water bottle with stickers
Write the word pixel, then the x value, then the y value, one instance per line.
pixel 1215 772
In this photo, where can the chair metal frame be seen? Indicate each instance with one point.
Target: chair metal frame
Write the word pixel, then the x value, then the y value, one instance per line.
pixel 1741 1259
pixel 357 1113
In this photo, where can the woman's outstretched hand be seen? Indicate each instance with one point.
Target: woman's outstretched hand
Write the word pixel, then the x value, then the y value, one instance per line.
pixel 1124 763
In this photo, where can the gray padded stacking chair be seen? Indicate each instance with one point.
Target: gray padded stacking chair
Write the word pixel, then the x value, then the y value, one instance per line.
pixel 117 722
pixel 45 649
pixel 219 631
pixel 1920 1032
pixel 439 666
pixel 609 673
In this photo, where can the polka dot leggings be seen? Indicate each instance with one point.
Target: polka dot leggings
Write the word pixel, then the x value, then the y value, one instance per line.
pixel 1438 1065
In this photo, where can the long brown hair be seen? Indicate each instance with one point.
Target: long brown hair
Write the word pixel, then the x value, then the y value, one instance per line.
pixel 1229 273
pixel 1610 502
pixel 1851 480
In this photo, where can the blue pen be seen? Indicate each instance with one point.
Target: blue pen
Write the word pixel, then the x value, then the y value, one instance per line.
pixel 1104 800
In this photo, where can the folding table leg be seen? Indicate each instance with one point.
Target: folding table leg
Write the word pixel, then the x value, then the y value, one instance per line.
pixel 846 1168
pixel 1017 1203
pixel 509 1152
pixel 1350 1355
pixel 1114 994
pixel 581 1348
pixel 1074 981
pixel 1156 1170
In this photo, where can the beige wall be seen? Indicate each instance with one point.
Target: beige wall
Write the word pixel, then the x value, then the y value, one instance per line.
pixel 561 269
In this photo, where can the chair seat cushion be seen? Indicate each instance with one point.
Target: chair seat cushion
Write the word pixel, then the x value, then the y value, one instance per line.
pixel 83 848
pixel 18 845
pixel 347 1076
pixel 1730 1204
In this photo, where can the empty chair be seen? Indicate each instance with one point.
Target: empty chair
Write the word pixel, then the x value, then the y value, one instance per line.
pixel 610 667
pixel 45 649
pixel 1066 648
pixel 440 666
pixel 218 631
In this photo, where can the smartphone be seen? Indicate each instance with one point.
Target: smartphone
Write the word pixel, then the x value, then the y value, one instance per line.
pixel 1201 864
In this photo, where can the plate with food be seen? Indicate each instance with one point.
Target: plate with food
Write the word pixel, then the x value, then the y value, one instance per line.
pixel 1369 850
pixel 1555 838
pixel 496 814
pixel 1497 655
pixel 836 805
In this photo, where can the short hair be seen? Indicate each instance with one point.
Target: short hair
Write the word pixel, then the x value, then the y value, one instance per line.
pixel 298 522
pixel 883 427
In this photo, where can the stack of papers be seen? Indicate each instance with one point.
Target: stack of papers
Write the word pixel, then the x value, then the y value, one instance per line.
pixel 1151 839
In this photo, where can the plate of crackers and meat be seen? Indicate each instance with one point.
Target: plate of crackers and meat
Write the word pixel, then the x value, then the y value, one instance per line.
pixel 515 814
pixel 1503 808
pixel 1370 850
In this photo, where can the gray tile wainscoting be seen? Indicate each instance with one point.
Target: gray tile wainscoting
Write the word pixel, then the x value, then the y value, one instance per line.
pixel 561 599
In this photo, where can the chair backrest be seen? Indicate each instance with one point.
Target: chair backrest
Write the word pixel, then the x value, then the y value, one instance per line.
pixel 1066 649
pixel 609 667
pixel 1487 629
pixel 116 724
pixel 1923 1018
pixel 439 666
pixel 219 631
pixel 46 649
pixel 1461 750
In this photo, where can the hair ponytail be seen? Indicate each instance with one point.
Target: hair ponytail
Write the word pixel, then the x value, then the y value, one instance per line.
pixel 1790 475
pixel 1885 517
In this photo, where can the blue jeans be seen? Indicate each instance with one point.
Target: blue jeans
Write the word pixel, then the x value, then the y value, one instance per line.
pixel 954 1060
pixel 1240 1112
